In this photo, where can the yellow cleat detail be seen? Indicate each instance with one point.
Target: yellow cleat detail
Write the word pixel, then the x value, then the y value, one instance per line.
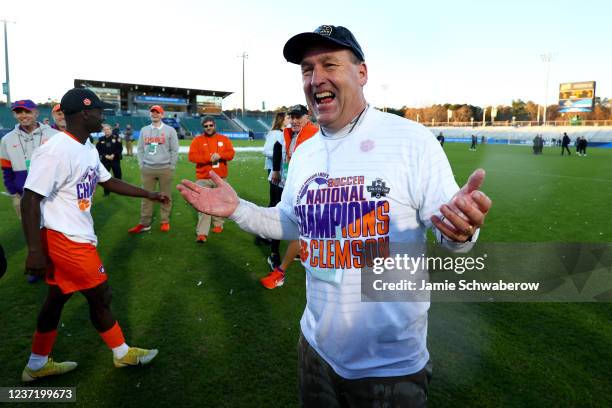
pixel 51 368
pixel 136 356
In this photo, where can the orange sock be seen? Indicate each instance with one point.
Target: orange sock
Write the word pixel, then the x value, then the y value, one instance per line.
pixel 43 342
pixel 113 337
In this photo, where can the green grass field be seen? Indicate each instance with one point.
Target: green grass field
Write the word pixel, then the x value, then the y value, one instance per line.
pixel 227 342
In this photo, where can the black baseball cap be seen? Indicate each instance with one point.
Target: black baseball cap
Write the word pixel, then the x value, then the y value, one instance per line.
pixel 326 34
pixel 80 99
pixel 298 110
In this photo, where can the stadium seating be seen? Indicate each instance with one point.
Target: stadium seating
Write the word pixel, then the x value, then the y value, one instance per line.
pixel 137 122
pixel 254 123
pixel 194 125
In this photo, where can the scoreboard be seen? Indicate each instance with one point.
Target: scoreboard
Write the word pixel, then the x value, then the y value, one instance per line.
pixel 577 96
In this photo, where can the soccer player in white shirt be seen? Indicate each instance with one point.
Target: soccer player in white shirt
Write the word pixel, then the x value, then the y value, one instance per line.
pixel 367 176
pixel 59 192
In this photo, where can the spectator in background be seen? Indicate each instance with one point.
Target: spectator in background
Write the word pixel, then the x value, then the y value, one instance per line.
pixel 16 149
pixel 565 142
pixel 538 144
pixel 59 121
pixel 110 151
pixel 46 121
pixel 441 139
pixel 301 130
pixel 209 151
pixel 17 146
pixel 251 135
pixel 275 135
pixel 474 143
pixel 157 156
pixel 127 134
pixel 117 130
pixel 274 141
pixel 582 145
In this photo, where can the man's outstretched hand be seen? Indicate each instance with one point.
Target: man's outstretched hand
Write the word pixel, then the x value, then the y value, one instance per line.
pixel 221 201
pixel 466 211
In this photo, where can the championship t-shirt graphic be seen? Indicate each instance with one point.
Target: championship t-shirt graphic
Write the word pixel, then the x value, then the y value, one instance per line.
pixel 86 187
pixel 344 223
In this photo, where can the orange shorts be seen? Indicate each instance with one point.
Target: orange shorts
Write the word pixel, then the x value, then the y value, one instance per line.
pixel 73 266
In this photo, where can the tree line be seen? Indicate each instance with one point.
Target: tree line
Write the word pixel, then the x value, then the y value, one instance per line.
pixel 519 110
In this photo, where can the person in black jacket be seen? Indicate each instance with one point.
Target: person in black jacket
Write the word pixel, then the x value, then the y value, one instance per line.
pixel 110 150
pixel 565 142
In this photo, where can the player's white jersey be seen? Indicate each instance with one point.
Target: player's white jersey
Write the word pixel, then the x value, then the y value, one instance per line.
pixel 379 184
pixel 66 173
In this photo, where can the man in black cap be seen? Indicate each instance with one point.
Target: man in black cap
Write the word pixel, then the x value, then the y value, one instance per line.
pixel 60 188
pixel 366 180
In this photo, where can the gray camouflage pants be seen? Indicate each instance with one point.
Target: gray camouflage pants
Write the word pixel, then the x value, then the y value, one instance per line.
pixel 321 387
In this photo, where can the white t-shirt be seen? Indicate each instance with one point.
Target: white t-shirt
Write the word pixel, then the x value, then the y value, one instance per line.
pixel 66 173
pixel 395 170
pixel 381 181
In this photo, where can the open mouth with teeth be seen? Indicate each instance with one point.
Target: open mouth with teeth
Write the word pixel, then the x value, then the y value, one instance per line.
pixel 324 97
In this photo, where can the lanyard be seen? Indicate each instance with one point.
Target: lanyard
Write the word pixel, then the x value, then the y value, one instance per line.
pixel 23 150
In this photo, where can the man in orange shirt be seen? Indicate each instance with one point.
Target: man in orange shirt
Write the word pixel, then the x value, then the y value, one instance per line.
pixel 209 151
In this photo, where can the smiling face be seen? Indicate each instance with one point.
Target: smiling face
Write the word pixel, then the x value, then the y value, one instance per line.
pixel 59 119
pixel 297 122
pixel 333 82
pixel 26 118
pixel 209 127
pixel 156 116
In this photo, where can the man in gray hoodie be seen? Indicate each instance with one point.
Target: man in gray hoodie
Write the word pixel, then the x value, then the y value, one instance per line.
pixel 157 156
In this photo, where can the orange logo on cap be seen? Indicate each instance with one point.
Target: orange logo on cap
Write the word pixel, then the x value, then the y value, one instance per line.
pixel 86 102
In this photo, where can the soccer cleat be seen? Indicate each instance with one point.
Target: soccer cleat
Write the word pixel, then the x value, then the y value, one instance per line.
pixel 201 239
pixel 164 227
pixel 51 368
pixel 139 228
pixel 274 279
pixel 217 230
pixel 135 356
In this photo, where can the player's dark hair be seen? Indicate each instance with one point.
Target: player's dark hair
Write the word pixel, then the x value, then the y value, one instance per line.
pixel 208 119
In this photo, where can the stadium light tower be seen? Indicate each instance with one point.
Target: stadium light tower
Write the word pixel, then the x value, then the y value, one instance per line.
pixel 546 58
pixel 244 56
pixel 6 87
pixel 384 88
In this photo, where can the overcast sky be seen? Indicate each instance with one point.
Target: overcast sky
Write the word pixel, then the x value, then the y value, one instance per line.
pixel 478 52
